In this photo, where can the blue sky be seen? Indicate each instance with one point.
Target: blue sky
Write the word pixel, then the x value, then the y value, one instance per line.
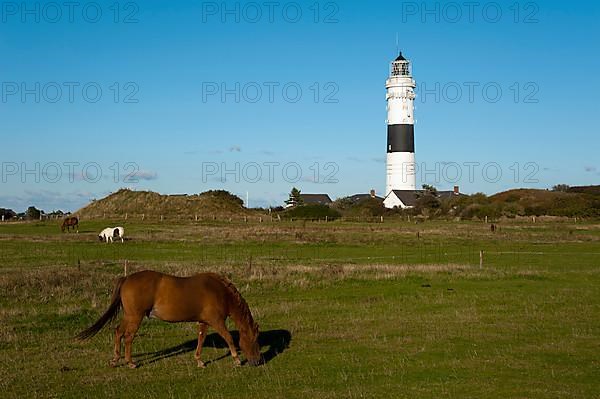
pixel 275 95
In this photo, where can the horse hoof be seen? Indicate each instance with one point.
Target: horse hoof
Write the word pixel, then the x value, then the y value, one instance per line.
pixel 201 365
pixel 113 363
pixel 132 365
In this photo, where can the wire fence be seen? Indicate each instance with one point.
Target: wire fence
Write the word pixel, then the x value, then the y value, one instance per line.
pixel 502 255
pixel 278 217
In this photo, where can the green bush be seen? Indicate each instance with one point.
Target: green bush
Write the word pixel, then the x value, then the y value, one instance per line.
pixel 480 211
pixel 312 212
pixel 366 208
pixel 512 210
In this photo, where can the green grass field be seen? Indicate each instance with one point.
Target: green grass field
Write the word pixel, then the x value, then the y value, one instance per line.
pixel 348 310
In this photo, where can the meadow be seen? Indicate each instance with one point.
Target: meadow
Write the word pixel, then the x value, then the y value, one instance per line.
pixel 346 310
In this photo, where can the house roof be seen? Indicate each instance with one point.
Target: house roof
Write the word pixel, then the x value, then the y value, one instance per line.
pixel 311 199
pixel 447 194
pixel 409 197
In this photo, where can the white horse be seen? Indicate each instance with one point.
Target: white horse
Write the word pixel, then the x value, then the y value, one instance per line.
pixel 110 233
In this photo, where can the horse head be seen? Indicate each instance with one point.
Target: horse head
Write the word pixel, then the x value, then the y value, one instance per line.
pixel 249 344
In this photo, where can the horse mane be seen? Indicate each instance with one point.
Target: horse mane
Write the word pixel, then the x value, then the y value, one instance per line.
pixel 241 311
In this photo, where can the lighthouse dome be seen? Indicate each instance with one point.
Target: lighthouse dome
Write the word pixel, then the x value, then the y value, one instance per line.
pixel 400 57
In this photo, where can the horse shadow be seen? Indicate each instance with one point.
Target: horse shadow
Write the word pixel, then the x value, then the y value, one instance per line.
pixel 277 342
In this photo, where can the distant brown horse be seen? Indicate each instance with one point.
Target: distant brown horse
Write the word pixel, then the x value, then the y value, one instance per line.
pixel 206 298
pixel 69 222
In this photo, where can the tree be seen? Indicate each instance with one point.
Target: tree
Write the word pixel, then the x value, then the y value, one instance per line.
pixel 295 199
pixel 428 200
pixel 33 213
pixel 429 189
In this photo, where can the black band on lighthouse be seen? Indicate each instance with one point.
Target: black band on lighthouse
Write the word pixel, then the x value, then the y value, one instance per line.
pixel 401 138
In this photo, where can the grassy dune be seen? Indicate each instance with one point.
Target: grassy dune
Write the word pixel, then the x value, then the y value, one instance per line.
pixel 347 310
pixel 155 205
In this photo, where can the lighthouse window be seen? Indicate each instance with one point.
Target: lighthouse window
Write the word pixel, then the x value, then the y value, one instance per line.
pixel 400 69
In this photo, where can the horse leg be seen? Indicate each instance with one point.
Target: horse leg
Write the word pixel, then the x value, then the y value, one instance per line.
pixel 202 327
pixel 221 329
pixel 119 332
pixel 133 324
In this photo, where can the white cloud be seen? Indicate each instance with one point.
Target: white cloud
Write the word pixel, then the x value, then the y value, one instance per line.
pixel 140 175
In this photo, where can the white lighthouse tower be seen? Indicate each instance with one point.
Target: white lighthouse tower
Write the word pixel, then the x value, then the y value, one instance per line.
pixel 401 167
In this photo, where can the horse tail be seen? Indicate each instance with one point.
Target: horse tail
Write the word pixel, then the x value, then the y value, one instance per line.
pixel 107 317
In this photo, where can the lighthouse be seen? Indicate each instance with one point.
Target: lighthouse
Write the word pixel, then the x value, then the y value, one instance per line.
pixel 400 163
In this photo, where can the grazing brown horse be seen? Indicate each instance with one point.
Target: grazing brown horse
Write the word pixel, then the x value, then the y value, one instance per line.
pixel 69 222
pixel 206 298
